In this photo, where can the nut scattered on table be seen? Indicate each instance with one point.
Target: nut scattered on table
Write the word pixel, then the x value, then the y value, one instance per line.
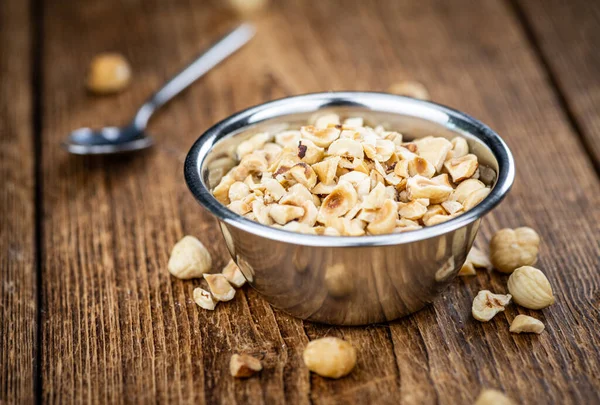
pixel 526 324
pixel 492 397
pixel 530 288
pixel 410 88
pixel 330 357
pixel 233 274
pixel 189 259
pixel 512 248
pixel 244 365
pixel 204 299
pixel 108 73
pixel 220 287
pixel 487 304
pixel 475 259
pixel 344 178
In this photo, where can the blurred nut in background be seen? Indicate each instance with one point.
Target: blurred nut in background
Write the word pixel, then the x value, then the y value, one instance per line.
pixel 409 88
pixel 108 73
pixel 247 8
pixel 492 397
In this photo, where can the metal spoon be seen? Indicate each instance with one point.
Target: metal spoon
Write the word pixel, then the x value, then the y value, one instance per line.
pixel 107 140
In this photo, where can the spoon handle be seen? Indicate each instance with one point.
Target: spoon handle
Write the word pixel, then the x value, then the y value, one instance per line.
pixel 218 52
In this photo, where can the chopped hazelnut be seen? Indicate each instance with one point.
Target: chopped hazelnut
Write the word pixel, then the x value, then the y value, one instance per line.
pixel 320 137
pixel 339 201
pixel 422 187
pixel 486 305
pixel 475 198
pixel 526 324
pixel 282 214
pixel 461 168
pixel 326 170
pixel 327 120
pixel 244 366
pixel 385 219
pixel 288 138
pixel 219 287
pixel 234 275
pixel 346 148
pixel 466 188
pixel 412 210
pixel 204 299
pixel 238 190
pixel 434 150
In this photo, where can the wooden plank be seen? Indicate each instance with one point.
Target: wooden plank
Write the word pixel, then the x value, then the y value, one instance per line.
pixel 118 328
pixel 494 76
pixel 568 35
pixel 18 325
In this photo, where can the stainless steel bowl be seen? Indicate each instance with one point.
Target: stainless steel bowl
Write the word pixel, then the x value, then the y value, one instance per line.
pixel 347 280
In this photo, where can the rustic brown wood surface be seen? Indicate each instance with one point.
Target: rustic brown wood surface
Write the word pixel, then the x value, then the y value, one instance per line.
pixel 17 210
pixel 566 33
pixel 116 328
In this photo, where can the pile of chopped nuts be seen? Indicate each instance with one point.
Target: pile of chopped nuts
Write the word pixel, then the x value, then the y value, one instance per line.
pixel 348 179
pixel 511 251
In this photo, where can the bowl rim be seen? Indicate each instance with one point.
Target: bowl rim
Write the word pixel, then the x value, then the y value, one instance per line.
pixel 373 101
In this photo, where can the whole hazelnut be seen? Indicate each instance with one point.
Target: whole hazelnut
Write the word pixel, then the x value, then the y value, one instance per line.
pixel 108 73
pixel 512 248
pixel 530 288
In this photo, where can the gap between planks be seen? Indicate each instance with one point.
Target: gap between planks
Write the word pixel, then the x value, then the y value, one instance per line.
pixel 36 18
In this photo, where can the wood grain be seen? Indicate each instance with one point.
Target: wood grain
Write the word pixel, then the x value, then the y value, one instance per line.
pixel 118 328
pixel 17 209
pixel 568 34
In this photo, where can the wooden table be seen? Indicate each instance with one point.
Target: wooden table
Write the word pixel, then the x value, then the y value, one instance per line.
pixel 88 311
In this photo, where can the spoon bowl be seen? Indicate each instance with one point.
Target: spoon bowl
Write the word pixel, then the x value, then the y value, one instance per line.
pixel 107 140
